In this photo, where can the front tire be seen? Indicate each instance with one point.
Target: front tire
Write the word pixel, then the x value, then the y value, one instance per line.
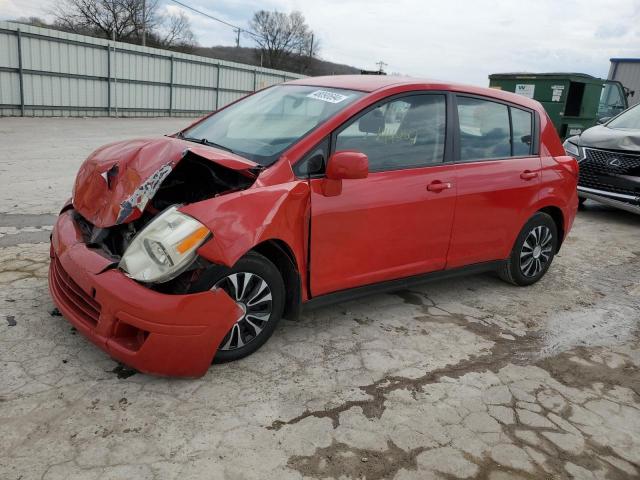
pixel 256 285
pixel 532 253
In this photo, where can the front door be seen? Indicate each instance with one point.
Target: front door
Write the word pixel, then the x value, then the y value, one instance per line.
pixel 397 222
pixel 498 180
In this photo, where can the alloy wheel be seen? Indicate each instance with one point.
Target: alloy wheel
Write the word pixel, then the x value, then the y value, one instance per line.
pixel 253 295
pixel 536 251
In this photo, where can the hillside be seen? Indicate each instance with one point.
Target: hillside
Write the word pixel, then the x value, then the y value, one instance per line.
pixel 294 64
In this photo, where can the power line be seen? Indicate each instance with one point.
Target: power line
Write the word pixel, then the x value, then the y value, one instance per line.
pixel 235 27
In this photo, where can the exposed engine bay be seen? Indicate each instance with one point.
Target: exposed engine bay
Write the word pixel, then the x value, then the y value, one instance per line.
pixel 192 180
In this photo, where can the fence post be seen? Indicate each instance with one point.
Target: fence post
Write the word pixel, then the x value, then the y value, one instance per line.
pixel 171 88
pixel 20 78
pixel 108 80
pixel 218 87
pixel 255 80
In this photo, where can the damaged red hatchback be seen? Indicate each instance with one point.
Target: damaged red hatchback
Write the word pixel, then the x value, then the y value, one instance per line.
pixel 175 251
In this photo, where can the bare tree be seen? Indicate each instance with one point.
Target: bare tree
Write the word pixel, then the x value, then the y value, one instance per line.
pixel 125 20
pixel 108 18
pixel 279 35
pixel 175 31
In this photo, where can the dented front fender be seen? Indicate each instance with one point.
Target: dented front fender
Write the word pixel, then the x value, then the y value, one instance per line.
pixel 239 221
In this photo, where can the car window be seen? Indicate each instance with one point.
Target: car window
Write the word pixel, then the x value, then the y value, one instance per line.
pixel 629 119
pixel 263 125
pixel 314 162
pixel 402 133
pixel 484 129
pixel 612 101
pixel 522 137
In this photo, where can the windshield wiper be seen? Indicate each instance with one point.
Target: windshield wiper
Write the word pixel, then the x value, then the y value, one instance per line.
pixel 204 141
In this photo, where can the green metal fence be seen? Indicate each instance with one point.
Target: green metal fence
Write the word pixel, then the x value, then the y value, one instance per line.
pixel 45 72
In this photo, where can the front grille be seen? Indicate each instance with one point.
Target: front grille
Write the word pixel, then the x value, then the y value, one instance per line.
pixel 604 170
pixel 73 296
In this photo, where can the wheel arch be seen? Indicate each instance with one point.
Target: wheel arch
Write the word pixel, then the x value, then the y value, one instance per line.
pixel 558 218
pixel 282 256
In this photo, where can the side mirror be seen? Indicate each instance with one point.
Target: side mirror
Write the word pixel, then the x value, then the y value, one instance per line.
pixel 347 164
pixel 603 120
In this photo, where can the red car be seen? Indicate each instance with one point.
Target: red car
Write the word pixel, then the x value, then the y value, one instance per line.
pixel 176 251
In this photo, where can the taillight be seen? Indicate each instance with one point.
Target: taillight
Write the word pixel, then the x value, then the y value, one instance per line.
pixel 569 163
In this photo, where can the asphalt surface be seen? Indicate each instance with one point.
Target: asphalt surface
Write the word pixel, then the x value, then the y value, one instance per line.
pixel 465 378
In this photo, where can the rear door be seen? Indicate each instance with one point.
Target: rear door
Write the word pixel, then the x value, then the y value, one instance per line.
pixel 498 178
pixel 397 221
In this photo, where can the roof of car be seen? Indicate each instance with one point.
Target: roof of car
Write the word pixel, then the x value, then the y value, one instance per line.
pixel 364 83
pixel 370 83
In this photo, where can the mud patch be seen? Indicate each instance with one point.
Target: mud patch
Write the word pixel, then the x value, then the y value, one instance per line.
pixel 581 374
pixel 591 326
pixel 340 460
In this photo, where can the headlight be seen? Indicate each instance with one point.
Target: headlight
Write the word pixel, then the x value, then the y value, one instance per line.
pixel 572 149
pixel 166 246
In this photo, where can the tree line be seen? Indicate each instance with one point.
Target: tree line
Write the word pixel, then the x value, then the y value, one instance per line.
pixel 280 40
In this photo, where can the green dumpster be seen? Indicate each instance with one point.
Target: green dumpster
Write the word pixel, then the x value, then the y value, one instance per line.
pixel 574 101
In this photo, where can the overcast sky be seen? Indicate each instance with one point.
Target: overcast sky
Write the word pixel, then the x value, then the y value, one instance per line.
pixel 457 40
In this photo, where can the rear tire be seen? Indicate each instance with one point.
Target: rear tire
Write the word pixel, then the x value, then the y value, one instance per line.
pixel 532 253
pixel 255 283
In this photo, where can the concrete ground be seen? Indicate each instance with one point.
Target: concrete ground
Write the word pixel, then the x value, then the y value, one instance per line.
pixel 465 378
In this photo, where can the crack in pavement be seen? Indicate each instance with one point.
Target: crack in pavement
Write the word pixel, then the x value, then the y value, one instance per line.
pixel 21 220
pixel 540 440
pixel 13 239
pixel 503 352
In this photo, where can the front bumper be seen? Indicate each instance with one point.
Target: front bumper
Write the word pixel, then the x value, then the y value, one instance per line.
pixel 174 335
pixel 623 202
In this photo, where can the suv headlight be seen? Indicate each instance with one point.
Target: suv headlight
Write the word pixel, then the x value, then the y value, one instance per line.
pixel 572 149
pixel 164 248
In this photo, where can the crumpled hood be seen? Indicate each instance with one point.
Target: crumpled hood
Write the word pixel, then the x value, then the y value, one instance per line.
pixel 611 138
pixel 116 181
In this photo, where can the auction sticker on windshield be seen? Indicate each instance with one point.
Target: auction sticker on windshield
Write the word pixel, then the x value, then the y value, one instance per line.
pixel 327 96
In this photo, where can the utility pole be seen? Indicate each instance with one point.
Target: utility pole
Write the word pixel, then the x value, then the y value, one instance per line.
pixel 115 77
pixel 311 47
pixel 237 30
pixel 144 23
pixel 381 66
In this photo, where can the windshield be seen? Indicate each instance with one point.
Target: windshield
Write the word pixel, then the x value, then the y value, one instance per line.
pixel 262 126
pixel 628 119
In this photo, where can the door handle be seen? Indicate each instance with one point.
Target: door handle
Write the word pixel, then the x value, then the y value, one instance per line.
pixel 528 175
pixel 438 186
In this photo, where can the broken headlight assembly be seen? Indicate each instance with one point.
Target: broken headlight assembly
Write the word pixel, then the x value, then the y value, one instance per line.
pixel 573 149
pixel 164 248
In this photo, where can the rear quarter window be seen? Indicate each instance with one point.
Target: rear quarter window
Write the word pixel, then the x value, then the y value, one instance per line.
pixel 522 124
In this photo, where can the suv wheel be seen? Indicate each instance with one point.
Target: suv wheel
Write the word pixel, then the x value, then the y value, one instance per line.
pixel 532 253
pixel 256 285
